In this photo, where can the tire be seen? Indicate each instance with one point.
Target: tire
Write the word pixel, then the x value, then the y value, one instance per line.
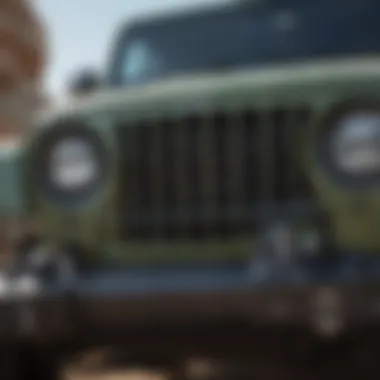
pixel 10 364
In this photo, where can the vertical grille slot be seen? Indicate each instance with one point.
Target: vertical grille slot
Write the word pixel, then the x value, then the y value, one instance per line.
pixel 236 160
pixel 181 175
pixel 168 170
pixel 157 166
pixel 301 187
pixel 281 153
pixel 194 169
pixel 201 177
pixel 144 178
pixel 254 146
pixel 221 191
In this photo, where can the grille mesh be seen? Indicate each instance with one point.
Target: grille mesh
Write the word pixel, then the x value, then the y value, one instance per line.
pixel 200 177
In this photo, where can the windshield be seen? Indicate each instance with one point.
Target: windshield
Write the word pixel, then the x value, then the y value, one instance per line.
pixel 281 31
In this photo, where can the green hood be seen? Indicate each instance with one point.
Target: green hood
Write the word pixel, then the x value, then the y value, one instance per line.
pixel 202 91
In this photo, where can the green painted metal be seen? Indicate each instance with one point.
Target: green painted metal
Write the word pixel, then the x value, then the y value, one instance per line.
pixel 285 84
pixel 11 190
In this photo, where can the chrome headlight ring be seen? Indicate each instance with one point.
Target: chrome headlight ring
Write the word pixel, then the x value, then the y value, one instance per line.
pixel 70 162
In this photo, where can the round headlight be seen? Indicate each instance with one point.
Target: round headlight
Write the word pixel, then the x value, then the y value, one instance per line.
pixel 355 144
pixel 70 162
pixel 73 164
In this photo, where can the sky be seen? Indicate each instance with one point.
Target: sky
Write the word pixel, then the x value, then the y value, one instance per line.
pixel 80 32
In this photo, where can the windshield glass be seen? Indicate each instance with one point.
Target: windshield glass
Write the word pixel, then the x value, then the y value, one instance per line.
pixel 278 31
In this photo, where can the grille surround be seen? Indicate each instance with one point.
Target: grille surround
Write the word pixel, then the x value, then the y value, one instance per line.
pixel 209 176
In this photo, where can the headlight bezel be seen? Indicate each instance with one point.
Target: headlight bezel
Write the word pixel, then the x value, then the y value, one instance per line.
pixel 325 152
pixel 42 150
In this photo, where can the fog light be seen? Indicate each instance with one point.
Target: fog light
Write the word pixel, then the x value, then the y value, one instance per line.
pixel 286 240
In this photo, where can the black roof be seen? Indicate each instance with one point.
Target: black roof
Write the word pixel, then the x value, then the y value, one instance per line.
pixel 186 15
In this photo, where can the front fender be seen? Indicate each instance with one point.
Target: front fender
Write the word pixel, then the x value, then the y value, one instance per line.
pixel 12 200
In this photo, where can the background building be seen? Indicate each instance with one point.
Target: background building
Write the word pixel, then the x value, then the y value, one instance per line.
pixel 22 58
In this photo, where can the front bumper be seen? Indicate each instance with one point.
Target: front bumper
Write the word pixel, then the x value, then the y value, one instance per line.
pixel 325 297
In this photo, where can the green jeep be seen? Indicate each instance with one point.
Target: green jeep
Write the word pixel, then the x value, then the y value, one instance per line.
pixel 216 197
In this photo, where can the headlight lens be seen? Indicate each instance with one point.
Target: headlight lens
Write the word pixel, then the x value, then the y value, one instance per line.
pixel 355 144
pixel 73 164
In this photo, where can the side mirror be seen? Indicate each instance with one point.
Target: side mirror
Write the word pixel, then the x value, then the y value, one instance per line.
pixel 85 82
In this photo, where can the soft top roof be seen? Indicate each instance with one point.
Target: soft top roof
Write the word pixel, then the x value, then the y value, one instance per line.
pixel 179 16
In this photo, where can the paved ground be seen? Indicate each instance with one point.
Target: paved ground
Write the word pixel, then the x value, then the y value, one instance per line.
pixel 91 369
pixel 112 375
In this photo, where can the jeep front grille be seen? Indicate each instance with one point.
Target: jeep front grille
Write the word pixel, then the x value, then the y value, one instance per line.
pixel 202 177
